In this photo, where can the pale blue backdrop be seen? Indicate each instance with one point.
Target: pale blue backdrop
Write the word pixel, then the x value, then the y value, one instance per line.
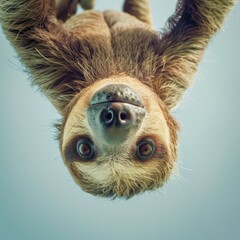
pixel 39 200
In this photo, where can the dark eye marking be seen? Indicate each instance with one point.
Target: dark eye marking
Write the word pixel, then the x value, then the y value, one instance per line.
pixel 150 147
pixel 80 148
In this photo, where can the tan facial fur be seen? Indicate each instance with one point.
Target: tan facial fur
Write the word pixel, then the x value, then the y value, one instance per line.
pixel 116 171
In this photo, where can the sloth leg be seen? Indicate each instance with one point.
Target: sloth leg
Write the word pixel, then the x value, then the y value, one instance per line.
pixel 86 4
pixel 138 8
pixel 44 46
pixel 65 9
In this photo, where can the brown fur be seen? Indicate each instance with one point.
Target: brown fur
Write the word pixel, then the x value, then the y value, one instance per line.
pixel 69 61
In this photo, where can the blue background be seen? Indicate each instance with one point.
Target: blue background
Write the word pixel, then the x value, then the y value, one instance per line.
pixel 39 199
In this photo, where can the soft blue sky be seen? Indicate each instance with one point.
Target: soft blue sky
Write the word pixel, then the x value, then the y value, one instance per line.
pixel 39 200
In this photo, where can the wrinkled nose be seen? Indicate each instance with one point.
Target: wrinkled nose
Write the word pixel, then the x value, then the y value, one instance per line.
pixel 117 115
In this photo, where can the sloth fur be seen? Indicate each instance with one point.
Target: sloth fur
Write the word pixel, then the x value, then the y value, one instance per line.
pixel 71 57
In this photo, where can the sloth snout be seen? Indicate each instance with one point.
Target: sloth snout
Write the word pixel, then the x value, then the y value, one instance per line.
pixel 114 112
pixel 114 121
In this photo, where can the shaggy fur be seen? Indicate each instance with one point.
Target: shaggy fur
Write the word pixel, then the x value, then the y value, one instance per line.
pixel 71 57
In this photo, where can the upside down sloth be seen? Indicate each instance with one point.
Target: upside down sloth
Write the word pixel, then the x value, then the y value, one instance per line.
pixel 114 80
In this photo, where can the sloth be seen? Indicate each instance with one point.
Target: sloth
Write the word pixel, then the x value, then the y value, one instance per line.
pixel 115 81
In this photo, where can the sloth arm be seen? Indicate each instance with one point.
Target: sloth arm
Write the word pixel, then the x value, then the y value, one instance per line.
pixel 44 46
pixel 182 44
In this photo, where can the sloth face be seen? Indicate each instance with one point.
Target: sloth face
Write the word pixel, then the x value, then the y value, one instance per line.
pixel 118 140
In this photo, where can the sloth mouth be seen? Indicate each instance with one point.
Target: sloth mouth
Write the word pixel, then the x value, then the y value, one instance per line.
pixel 127 102
pixel 119 93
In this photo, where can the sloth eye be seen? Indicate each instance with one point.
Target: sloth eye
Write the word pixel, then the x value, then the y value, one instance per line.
pixel 145 149
pixel 85 149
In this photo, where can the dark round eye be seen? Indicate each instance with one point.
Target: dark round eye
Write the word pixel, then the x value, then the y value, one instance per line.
pixel 85 149
pixel 145 149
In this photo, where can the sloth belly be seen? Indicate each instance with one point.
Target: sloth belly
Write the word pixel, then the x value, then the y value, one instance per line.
pixel 114 42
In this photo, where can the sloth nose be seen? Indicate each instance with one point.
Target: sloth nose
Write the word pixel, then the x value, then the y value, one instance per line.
pixel 114 122
pixel 117 115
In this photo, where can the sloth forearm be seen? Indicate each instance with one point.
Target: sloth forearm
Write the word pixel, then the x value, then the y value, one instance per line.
pixel 19 15
pixel 192 26
pixel 39 39
pixel 207 15
pixel 21 18
pixel 184 41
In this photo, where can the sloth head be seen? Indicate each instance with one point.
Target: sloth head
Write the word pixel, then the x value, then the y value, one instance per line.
pixel 118 138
